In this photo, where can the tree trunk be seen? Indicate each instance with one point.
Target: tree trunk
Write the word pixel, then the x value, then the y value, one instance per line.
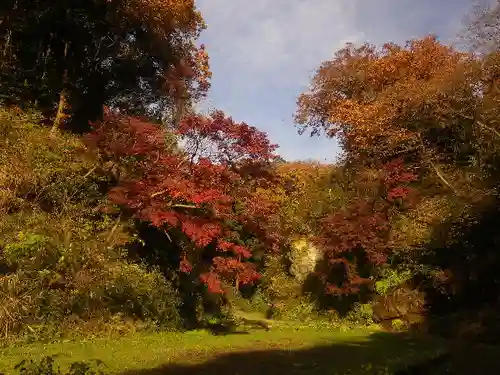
pixel 8 35
pixel 7 44
pixel 237 281
pixel 61 114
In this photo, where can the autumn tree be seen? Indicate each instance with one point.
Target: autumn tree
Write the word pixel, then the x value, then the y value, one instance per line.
pixel 356 239
pixel 424 102
pixel 202 196
pixel 398 114
pixel 306 193
pixel 434 110
pixel 70 58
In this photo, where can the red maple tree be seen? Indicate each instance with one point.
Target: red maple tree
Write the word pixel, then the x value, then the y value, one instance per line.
pixel 195 189
pixel 357 238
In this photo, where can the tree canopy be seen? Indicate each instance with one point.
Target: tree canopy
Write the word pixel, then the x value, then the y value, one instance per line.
pixel 71 58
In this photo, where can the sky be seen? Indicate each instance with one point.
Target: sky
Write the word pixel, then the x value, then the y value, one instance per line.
pixel 263 53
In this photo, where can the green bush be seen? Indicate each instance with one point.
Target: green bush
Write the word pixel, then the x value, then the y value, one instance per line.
pixel 142 294
pixel 47 366
pixel 398 325
pixel 361 314
pixel 257 303
pixel 63 263
pixel 391 279
pixel 66 286
pixel 285 294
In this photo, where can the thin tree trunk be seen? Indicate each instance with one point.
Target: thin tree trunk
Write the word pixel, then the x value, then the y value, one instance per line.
pixel 436 168
pixel 46 56
pixel 181 108
pixel 61 114
pixel 237 281
pixel 7 43
pixel 442 177
pixel 8 36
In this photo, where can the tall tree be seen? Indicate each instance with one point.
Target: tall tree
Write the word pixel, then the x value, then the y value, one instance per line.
pixel 435 109
pixel 424 102
pixel 69 58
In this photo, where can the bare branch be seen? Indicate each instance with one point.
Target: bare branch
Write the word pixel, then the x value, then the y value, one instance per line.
pixel 184 206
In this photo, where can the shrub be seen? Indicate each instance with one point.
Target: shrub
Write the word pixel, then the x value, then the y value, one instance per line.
pixel 285 293
pixel 398 325
pixel 65 286
pixel 142 294
pixel 47 366
pixel 361 314
pixel 62 260
pixel 391 279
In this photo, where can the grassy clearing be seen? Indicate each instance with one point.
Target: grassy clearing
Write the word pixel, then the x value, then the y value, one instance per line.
pixel 285 351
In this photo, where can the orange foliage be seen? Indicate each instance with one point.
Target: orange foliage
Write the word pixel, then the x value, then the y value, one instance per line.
pixel 382 102
pixel 164 16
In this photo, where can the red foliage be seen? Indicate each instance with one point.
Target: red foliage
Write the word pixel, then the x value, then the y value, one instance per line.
pixel 395 175
pixel 185 266
pixel 197 192
pixel 361 229
pixel 221 140
pixel 357 237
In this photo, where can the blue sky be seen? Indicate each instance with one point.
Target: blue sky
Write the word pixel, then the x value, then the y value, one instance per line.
pixel 263 53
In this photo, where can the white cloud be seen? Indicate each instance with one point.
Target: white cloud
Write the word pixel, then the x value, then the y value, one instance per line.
pixel 281 39
pixel 264 52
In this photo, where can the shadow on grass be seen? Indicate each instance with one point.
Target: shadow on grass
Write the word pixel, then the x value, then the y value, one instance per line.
pixel 227 332
pixel 381 349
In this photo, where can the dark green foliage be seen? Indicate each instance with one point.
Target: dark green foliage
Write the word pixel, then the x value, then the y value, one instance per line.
pixel 118 53
pixel 47 366
pixel 466 304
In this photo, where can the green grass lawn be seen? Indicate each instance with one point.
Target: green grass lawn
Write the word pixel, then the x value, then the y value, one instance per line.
pixel 285 351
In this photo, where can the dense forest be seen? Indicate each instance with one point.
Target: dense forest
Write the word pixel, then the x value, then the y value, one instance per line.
pixel 123 208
